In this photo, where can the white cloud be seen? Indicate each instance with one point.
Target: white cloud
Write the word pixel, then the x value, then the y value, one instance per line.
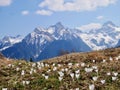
pixel 100 17
pixel 25 12
pixel 91 26
pixel 5 2
pixel 75 5
pixel 44 12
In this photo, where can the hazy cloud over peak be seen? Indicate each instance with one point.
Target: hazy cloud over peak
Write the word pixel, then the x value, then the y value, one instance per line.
pixel 89 27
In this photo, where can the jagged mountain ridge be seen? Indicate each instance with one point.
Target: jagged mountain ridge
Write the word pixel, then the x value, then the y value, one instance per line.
pixel 105 37
pixel 118 44
pixel 8 41
pixel 43 40
pixel 1 56
pixel 44 43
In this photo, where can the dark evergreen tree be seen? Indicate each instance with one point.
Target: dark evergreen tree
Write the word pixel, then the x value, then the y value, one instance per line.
pixel 63 52
pixel 31 60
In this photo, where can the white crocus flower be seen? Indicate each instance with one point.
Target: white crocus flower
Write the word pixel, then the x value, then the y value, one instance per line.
pixel 19 63
pixel 46 65
pixel 82 64
pixel 34 71
pixel 93 61
pixel 60 78
pixel 48 71
pixel 96 70
pixel 23 82
pixel 111 59
pixel 34 64
pixel 115 73
pixel 53 64
pixel 114 78
pixel 108 73
pixel 39 67
pixel 72 75
pixel 17 69
pixel 77 64
pixel 104 61
pixel 88 70
pixel 77 75
pixel 38 63
pixel 77 89
pixel 9 65
pixel 23 72
pixel 61 74
pixel 55 68
pixel 13 65
pixel 94 67
pixel 15 82
pixel 88 65
pixel 59 65
pixel 62 69
pixel 117 58
pixel 42 64
pixel 70 65
pixel 27 82
pixel 43 75
pixel 4 89
pixel 66 69
pixel 95 78
pixel 102 81
pixel 46 76
pixel 77 71
pixel 31 72
pixel 92 87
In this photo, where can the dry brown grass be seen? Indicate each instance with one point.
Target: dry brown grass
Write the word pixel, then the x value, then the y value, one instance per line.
pixel 38 82
pixel 78 57
pixel 4 61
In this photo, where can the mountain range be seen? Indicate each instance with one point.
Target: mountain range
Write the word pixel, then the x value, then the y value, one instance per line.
pixel 8 41
pixel 106 36
pixel 44 43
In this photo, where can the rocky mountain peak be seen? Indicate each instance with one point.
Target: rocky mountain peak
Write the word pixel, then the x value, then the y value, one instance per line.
pixel 109 23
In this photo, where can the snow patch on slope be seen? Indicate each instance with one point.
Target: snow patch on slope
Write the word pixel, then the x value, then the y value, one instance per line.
pixel 105 36
pixel 9 41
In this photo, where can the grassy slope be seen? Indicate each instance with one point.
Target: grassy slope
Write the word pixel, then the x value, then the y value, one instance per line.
pixel 12 79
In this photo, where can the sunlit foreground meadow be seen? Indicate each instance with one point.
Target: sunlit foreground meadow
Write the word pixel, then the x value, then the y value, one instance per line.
pixel 98 70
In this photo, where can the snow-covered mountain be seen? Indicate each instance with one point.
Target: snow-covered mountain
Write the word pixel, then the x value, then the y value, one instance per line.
pixel 1 56
pixel 118 44
pixel 105 36
pixel 45 43
pixel 8 41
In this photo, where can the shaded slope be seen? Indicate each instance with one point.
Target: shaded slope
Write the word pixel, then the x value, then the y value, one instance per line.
pixel 54 49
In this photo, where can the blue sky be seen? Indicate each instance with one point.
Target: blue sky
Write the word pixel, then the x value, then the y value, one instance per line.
pixel 22 16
